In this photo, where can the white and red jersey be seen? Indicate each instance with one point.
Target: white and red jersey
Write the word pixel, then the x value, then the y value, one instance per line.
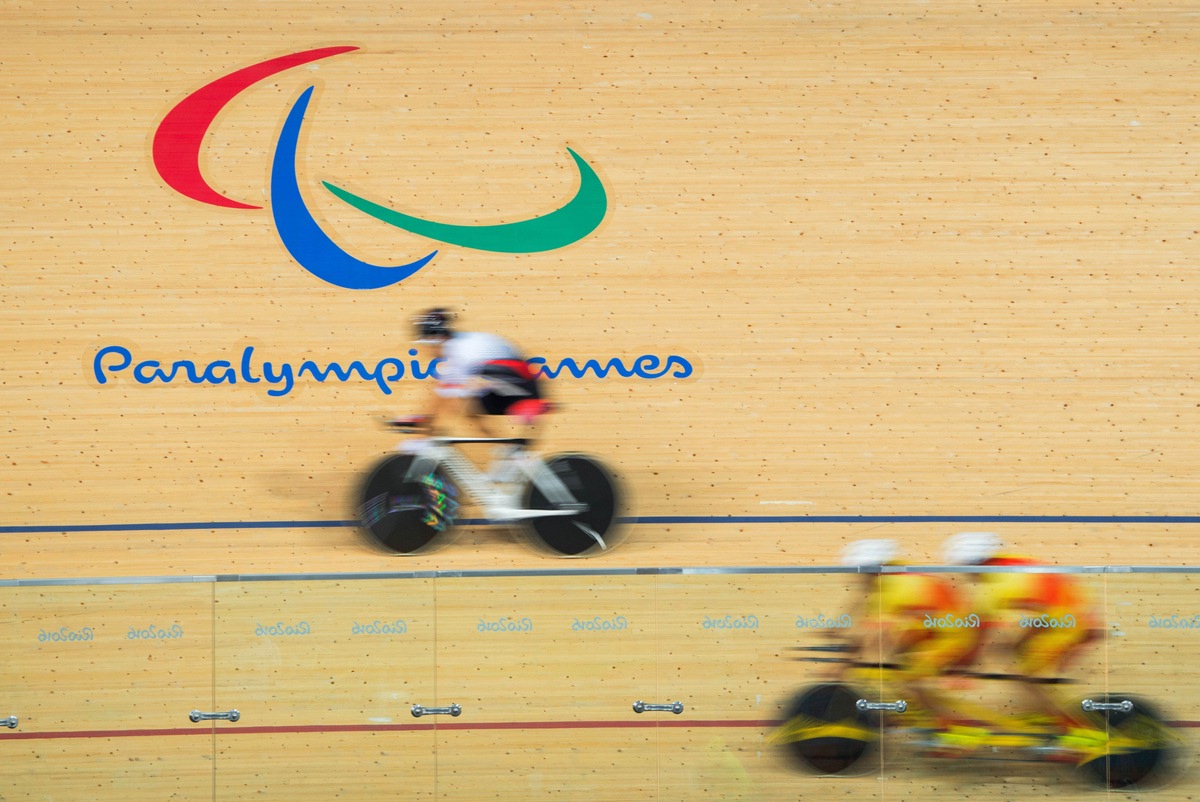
pixel 463 358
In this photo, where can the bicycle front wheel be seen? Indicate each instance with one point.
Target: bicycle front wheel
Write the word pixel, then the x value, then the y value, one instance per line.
pixel 1141 750
pixel 580 484
pixel 405 512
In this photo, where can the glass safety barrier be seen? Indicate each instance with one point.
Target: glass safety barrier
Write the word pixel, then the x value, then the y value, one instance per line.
pixel 98 681
pixel 739 683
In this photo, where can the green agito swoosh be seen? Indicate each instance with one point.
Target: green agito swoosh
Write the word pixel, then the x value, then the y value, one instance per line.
pixel 574 221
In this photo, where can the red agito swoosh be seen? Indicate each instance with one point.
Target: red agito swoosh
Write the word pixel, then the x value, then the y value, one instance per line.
pixel 178 138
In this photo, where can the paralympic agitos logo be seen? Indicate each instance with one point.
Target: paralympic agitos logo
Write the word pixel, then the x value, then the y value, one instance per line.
pixel 180 135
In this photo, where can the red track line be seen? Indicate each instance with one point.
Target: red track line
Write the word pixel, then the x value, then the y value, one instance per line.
pixel 597 725
pixel 207 730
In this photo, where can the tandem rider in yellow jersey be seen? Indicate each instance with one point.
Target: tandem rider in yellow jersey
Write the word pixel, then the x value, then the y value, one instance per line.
pixel 1039 619
pixel 926 629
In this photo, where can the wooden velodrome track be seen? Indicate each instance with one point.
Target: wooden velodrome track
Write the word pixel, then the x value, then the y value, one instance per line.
pixel 929 266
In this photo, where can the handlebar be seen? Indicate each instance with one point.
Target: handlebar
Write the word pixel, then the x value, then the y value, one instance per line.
pixel 418 426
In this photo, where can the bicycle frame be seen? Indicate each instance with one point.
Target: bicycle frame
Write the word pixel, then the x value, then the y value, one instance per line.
pixel 501 501
pixel 867 674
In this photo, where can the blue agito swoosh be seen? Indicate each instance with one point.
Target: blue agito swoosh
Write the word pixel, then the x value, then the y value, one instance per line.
pixel 308 244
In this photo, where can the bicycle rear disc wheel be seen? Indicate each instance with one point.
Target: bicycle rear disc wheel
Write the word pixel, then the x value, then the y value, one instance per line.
pixel 400 514
pixel 826 733
pixel 588 531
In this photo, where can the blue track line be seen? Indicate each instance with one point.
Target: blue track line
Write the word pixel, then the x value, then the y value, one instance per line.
pixel 647 520
pixel 917 519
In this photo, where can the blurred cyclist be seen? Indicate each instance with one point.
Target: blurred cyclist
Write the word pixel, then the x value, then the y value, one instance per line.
pixel 926 630
pixel 478 375
pixel 1041 619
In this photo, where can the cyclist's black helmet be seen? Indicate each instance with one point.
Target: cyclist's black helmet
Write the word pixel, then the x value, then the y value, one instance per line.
pixel 433 324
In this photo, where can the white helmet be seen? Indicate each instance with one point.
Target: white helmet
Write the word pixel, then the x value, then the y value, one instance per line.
pixel 971 548
pixel 869 552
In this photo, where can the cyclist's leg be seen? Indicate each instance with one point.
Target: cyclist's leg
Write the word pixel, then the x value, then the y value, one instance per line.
pixel 507 398
pixel 1043 654
pixel 926 660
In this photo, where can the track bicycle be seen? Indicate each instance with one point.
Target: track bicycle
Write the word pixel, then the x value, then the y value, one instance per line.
pixel 831 728
pixel 567 504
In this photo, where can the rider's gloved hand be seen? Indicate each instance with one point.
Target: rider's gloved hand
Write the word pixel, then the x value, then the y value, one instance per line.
pixel 411 422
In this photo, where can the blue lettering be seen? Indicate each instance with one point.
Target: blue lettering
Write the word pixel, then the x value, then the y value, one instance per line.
pixel 646 366
pixel 156 371
pixel 137 373
pixel 227 376
pixel 647 362
pixel 572 366
pixel 397 374
pixel 98 367
pixel 247 376
pixel 343 374
pixel 285 376
pixel 594 365
pixel 379 374
pixel 415 367
pixel 685 367
pixel 282 376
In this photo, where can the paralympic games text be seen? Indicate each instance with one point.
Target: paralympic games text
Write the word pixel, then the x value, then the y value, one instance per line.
pixel 281 378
